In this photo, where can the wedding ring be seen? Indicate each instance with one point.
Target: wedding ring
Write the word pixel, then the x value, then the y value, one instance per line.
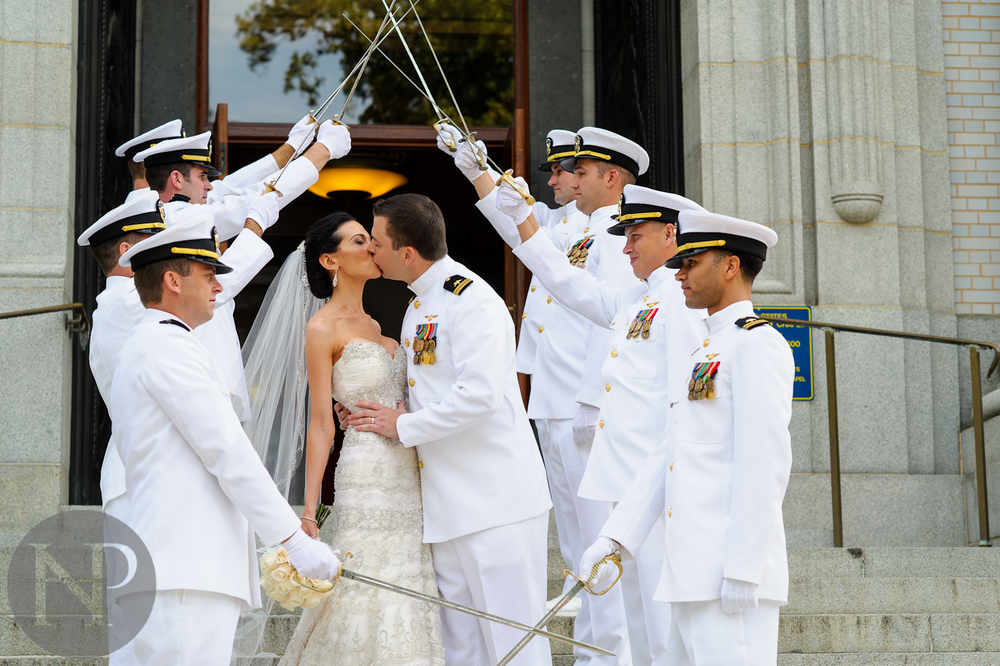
pixel 373 420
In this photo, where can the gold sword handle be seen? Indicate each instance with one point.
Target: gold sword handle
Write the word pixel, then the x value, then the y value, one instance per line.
pixel 475 151
pixel 446 138
pixel 613 558
pixel 271 188
pixel 508 177
pixel 335 578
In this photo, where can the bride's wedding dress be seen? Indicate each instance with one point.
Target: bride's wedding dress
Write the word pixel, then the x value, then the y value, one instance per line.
pixel 377 517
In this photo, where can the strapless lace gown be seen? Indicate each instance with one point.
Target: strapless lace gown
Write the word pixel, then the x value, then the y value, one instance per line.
pixel 378 517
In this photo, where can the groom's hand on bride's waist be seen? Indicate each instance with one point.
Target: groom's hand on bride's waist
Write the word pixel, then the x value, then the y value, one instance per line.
pixel 375 417
pixel 343 414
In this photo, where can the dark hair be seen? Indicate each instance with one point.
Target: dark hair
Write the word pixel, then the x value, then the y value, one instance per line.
pixel 107 254
pixel 136 169
pixel 158 176
pixel 750 264
pixel 604 167
pixel 413 220
pixel 149 278
pixel 323 237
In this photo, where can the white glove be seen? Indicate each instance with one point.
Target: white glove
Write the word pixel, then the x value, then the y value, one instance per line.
pixel 738 595
pixel 454 137
pixel 336 138
pixel 264 210
pixel 301 135
pixel 465 159
pixel 511 202
pixel 585 424
pixel 311 557
pixel 597 552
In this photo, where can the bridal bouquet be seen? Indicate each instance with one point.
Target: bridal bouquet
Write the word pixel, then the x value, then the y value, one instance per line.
pixel 285 585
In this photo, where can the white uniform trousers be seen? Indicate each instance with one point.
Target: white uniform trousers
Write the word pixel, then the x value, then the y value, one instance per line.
pixel 189 627
pixel 646 618
pixel 555 436
pixel 118 629
pixel 601 619
pixel 702 635
pixel 500 570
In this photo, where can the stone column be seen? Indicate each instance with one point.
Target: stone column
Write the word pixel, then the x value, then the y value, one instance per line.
pixel 37 89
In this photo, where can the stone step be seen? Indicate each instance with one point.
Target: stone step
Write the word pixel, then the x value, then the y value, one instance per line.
pixel 957 562
pixel 820 596
pixel 879 633
pixel 891 659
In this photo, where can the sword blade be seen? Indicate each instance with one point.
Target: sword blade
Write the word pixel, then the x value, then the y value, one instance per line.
pixel 565 599
pixel 440 68
pixel 368 55
pixel 361 578
pixel 413 61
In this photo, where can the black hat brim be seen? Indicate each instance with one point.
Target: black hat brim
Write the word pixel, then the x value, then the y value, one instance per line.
pixel 220 268
pixel 677 260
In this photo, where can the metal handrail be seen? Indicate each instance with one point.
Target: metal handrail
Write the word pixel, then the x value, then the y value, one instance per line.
pixel 977 411
pixel 79 325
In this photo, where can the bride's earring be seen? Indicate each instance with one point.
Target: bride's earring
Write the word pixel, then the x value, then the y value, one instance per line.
pixel 334 278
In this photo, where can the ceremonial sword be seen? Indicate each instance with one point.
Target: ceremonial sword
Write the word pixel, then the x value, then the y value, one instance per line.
pixel 532 631
pixel 315 116
pixel 506 175
pixel 581 584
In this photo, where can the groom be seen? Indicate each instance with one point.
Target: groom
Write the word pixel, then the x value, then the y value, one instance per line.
pixel 485 498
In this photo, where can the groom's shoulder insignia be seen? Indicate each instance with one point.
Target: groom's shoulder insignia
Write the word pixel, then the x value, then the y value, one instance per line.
pixel 456 284
pixel 750 323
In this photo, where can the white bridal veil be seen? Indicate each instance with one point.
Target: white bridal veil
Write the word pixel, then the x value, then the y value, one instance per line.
pixel 274 358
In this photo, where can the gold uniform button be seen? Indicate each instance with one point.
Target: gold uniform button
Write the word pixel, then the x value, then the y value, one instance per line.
pixel 541 328
pixel 548 300
pixel 565 220
pixel 607 387
pixel 669 512
pixel 420 464
pixel 601 423
pixel 412 382
pixel 586 230
pixel 614 354
pixel 416 304
pixel 524 316
pixel 705 343
pixel 532 289
pixel 406 342
pixel 671 467
pixel 645 298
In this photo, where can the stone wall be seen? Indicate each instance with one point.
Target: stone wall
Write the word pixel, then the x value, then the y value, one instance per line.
pixel 972 74
pixel 37 93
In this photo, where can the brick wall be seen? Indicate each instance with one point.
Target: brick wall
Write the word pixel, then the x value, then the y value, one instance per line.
pixel 972 79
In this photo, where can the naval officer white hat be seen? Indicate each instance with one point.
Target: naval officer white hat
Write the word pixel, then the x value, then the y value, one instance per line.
pixel 168 130
pixel 701 230
pixel 194 239
pixel 600 144
pixel 195 149
pixel 642 204
pixel 144 214
pixel 559 145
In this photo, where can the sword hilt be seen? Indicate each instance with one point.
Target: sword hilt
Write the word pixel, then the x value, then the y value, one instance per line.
pixel 446 138
pixel 271 188
pixel 508 177
pixel 475 151
pixel 613 558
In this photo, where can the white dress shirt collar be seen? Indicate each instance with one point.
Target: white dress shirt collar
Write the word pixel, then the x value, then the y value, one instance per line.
pixel 116 283
pixel 658 277
pixel 729 314
pixel 439 271
pixel 604 211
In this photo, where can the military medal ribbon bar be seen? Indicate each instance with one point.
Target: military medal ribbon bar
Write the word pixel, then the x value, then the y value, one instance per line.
pixel 640 325
pixel 701 386
pixel 578 252
pixel 424 344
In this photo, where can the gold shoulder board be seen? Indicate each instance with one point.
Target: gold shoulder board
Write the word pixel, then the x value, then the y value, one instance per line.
pixel 749 323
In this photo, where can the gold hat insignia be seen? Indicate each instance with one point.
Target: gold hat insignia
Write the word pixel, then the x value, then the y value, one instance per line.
pixel 548 146
pixel 578 143
pixel 215 237
pixel 159 209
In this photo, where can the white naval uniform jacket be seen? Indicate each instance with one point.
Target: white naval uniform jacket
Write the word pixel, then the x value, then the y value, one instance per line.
pixel 634 371
pixel 536 303
pixel 479 464
pixel 720 478
pixel 119 310
pixel 197 489
pixel 567 370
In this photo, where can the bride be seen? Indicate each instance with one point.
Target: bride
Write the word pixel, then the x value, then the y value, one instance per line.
pixel 377 514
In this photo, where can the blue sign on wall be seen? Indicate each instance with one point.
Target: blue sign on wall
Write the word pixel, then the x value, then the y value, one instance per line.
pixel 800 340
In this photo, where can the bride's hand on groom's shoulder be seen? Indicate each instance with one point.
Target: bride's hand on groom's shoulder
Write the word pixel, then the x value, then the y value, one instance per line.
pixel 375 417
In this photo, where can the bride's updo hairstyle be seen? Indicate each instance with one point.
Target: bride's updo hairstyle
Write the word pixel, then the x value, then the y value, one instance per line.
pixel 323 237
